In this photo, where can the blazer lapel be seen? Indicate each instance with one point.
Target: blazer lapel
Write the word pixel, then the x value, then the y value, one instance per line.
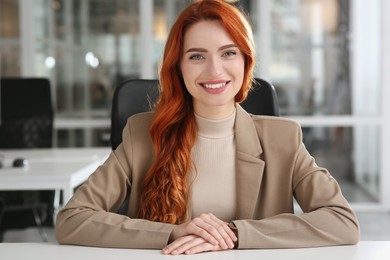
pixel 249 166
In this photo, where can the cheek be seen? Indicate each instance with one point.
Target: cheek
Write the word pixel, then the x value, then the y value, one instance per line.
pixel 240 68
pixel 241 65
pixel 184 69
pixel 186 75
pixel 189 73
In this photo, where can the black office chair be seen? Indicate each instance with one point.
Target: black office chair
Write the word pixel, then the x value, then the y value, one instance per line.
pixel 1 214
pixel 26 114
pixel 26 122
pixel 262 99
pixel 136 96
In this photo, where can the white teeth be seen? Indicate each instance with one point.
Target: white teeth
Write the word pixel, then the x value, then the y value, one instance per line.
pixel 213 86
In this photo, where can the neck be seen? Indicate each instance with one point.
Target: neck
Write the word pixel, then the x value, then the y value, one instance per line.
pixel 215 112
pixel 211 128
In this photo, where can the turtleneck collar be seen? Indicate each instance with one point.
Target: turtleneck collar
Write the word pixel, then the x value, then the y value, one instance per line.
pixel 216 128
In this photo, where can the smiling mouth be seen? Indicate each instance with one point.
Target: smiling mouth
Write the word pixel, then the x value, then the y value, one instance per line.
pixel 215 86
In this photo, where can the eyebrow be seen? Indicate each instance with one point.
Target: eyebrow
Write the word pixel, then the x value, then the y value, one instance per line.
pixel 227 46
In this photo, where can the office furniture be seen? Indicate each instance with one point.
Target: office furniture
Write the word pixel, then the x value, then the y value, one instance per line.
pixel 136 96
pixel 26 113
pixel 131 97
pixel 1 210
pixel 51 169
pixel 373 250
pixel 262 99
pixel 26 122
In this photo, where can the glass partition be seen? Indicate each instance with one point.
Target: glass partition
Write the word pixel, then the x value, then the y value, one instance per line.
pixel 9 39
pixel 322 56
pixel 355 167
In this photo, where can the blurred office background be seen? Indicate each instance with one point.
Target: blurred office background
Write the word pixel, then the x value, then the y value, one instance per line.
pixel 328 60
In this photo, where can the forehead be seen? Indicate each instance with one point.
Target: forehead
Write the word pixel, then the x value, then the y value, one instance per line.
pixel 206 34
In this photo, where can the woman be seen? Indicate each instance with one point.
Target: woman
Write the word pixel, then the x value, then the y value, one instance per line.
pixel 201 173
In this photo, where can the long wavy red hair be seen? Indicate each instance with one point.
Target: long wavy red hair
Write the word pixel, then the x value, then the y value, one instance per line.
pixel 165 188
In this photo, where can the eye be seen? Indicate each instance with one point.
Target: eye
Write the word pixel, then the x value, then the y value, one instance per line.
pixel 229 53
pixel 196 57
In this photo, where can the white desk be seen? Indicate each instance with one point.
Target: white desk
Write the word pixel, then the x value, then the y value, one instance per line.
pixel 372 250
pixel 50 169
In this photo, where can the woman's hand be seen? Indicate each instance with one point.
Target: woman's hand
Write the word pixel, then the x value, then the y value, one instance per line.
pixel 209 227
pixel 190 244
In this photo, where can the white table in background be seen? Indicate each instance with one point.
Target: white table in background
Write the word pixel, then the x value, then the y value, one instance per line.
pixel 50 169
pixel 365 250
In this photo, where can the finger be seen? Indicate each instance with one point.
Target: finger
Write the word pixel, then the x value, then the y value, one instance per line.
pixel 209 232
pixel 227 234
pixel 202 229
pixel 220 230
pixel 182 244
pixel 224 229
pixel 188 245
pixel 174 245
pixel 203 247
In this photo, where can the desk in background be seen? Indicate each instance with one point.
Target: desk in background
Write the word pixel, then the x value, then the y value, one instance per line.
pixel 365 250
pixel 60 169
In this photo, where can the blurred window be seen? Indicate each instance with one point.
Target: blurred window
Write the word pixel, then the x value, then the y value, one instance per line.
pixel 322 56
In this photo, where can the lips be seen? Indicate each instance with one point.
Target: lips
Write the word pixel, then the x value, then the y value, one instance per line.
pixel 214 85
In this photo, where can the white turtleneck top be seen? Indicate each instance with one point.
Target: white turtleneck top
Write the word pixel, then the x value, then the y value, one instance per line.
pixel 214 183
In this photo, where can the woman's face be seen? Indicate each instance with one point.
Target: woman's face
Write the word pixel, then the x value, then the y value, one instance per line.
pixel 212 67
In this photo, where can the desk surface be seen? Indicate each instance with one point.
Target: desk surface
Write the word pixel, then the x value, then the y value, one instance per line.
pixel 41 160
pixel 372 250
pixel 54 154
pixel 50 169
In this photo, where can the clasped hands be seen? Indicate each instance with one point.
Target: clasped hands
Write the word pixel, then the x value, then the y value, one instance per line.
pixel 201 234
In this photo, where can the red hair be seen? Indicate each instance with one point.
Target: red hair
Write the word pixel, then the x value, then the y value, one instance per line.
pixel 165 188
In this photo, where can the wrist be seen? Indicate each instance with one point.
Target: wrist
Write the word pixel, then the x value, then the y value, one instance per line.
pixel 235 231
pixel 173 235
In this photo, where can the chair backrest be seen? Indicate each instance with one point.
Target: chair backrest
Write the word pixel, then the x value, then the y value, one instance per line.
pixel 1 216
pixel 26 113
pixel 262 99
pixel 136 96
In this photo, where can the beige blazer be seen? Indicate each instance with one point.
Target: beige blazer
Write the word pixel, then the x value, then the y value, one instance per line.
pixel 272 167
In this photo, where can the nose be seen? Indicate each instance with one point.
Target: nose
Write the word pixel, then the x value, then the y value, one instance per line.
pixel 214 66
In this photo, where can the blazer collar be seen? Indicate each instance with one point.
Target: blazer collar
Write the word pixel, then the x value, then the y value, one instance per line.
pixel 249 166
pixel 247 140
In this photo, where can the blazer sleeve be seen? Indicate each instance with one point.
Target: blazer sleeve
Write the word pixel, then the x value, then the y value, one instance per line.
pixel 89 218
pixel 327 218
